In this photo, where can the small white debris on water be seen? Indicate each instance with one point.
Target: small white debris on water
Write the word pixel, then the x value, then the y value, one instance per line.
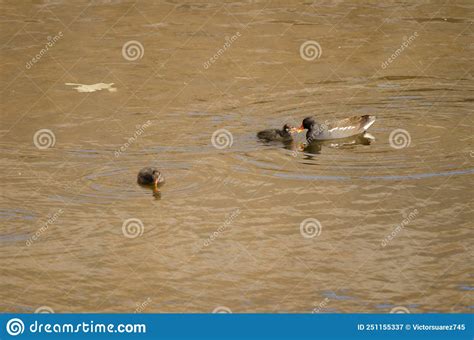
pixel 93 87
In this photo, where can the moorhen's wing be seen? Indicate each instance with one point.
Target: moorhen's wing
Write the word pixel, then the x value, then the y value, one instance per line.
pixel 346 127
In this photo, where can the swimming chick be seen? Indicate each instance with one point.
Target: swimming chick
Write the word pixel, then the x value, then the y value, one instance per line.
pixel 150 176
pixel 282 135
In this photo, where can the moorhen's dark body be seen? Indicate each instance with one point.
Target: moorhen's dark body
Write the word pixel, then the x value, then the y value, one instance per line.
pixel 271 135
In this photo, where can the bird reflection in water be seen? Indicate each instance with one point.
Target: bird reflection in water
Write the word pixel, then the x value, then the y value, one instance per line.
pixel 316 147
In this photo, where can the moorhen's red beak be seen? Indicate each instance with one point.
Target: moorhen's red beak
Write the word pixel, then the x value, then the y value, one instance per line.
pixel 300 129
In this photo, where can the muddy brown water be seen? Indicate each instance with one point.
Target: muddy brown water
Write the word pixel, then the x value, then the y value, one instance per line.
pixel 245 226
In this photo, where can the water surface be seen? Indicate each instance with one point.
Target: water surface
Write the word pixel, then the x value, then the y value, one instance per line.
pixel 225 231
